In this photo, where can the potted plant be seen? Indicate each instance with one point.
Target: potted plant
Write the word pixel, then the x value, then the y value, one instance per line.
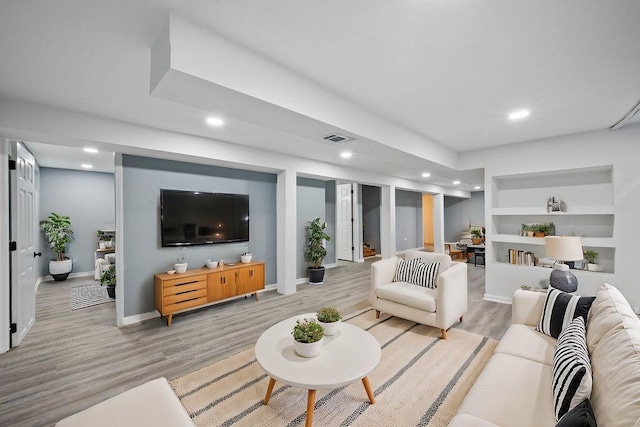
pixel 180 266
pixel 57 231
pixel 307 337
pixel 528 229
pixel 245 257
pixel 108 279
pixel 329 319
pixel 590 257
pixel 101 239
pixel 477 236
pixel 316 250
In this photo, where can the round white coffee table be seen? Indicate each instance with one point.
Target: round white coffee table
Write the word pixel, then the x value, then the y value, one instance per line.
pixel 345 358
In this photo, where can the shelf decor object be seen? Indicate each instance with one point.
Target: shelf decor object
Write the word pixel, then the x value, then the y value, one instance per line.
pixel 563 248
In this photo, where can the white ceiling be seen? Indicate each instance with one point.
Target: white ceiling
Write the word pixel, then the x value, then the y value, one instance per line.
pixel 448 71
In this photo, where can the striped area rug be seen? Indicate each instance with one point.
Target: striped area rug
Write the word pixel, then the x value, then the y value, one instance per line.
pixel 88 295
pixel 421 380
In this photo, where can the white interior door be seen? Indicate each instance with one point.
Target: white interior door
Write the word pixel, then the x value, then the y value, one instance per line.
pixel 344 243
pixel 23 232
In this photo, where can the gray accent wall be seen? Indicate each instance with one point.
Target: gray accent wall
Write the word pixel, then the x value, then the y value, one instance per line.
pixel 311 203
pixel 88 198
pixel 408 220
pixel 142 180
pixel 459 213
pixel 371 201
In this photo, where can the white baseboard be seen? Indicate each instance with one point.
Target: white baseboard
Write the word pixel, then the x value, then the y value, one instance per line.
pixel 137 318
pixel 333 265
pixel 497 298
pixel 301 281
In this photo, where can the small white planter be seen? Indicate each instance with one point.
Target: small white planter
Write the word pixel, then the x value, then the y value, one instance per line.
pixel 60 269
pixel 592 267
pixel 102 246
pixel 180 267
pixel 306 349
pixel 245 259
pixel 211 263
pixel 330 328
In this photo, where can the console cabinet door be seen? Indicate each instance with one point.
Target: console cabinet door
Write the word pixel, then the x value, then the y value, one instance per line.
pixel 251 279
pixel 221 285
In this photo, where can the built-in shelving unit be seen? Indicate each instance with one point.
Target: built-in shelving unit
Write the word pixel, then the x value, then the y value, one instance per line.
pixel 589 212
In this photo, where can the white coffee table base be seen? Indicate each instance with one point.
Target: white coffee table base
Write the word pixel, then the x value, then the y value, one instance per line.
pixel 355 351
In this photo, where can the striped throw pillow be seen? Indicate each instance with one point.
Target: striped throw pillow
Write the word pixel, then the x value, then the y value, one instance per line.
pixel 425 274
pixel 404 270
pixel 571 378
pixel 559 309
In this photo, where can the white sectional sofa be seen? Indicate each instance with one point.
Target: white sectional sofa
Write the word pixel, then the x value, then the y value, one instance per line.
pixel 441 307
pixel 515 387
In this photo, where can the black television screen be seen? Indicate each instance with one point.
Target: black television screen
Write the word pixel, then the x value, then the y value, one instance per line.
pixel 197 218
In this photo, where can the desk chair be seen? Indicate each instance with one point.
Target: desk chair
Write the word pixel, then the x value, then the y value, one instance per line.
pixel 454 253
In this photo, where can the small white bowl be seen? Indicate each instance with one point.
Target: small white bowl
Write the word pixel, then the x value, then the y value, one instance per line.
pixel 245 259
pixel 171 271
pixel 212 263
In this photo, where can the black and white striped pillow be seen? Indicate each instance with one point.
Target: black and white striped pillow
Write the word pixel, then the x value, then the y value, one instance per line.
pixel 571 378
pixel 404 270
pixel 425 274
pixel 559 309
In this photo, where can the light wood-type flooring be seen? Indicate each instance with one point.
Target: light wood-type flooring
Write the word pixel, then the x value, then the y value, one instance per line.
pixel 71 360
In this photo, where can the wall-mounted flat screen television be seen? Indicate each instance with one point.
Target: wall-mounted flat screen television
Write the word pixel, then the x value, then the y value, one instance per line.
pixel 199 218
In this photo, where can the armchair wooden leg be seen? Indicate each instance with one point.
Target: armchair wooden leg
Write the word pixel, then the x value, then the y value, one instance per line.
pixel 444 333
pixel 461 318
pixel 377 314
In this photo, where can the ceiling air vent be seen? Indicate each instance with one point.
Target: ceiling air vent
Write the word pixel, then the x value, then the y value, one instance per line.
pixel 338 139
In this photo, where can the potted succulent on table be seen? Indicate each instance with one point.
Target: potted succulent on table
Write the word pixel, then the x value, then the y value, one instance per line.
pixel 316 251
pixel 180 266
pixel 108 279
pixel 57 230
pixel 477 236
pixel 307 337
pixel 329 319
pixel 590 257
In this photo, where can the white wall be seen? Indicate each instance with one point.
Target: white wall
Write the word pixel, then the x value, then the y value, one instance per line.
pixel 620 149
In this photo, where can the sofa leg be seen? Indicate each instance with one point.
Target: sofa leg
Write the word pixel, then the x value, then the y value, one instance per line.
pixel 377 314
pixel 461 318
pixel 444 334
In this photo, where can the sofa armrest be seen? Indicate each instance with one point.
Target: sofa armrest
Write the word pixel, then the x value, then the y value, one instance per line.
pixel 451 299
pixel 382 272
pixel 526 307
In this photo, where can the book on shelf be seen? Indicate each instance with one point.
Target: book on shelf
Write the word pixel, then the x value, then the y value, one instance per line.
pixel 520 257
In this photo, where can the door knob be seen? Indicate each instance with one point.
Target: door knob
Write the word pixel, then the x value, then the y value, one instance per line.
pixel 35 254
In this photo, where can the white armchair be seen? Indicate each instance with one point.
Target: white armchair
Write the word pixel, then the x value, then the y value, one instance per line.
pixel 441 307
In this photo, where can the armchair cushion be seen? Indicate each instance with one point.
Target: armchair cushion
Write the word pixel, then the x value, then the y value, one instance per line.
pixel 408 294
pixel 404 270
pixel 425 274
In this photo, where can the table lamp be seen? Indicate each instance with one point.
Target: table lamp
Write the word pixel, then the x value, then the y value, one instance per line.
pixel 563 248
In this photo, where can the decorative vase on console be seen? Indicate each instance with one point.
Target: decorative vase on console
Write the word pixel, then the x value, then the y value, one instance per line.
pixel 180 266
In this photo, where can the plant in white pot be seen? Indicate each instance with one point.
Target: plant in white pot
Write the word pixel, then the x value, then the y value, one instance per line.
pixel 180 266
pixel 316 251
pixel 57 231
pixel 329 319
pixel 307 337
pixel 108 279
pixel 590 257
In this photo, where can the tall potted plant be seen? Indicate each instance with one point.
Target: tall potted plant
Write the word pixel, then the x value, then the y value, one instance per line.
pixel 108 279
pixel 316 251
pixel 57 230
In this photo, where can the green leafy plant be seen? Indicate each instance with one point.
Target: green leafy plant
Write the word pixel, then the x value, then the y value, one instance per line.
pixel 180 260
pixel 57 230
pixel 328 315
pixel 547 229
pixel 108 278
pixel 102 237
pixel 590 256
pixel 307 331
pixel 477 233
pixel 315 249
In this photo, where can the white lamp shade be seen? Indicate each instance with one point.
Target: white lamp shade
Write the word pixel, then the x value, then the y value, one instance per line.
pixel 564 248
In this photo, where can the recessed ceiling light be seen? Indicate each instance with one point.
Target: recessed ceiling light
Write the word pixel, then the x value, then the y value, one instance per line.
pixel 90 150
pixel 215 121
pixel 346 154
pixel 456 182
pixel 426 175
pixel 86 166
pixel 520 114
pixel 477 187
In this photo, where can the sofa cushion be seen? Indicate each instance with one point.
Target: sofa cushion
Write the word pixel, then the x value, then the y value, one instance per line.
pixel 511 392
pixel 609 311
pixel 419 297
pixel 571 368
pixel 524 341
pixel 404 270
pixel 425 274
pixel 559 309
pixel 580 416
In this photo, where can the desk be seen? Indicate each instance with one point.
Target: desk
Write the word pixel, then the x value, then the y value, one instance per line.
pixel 478 251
